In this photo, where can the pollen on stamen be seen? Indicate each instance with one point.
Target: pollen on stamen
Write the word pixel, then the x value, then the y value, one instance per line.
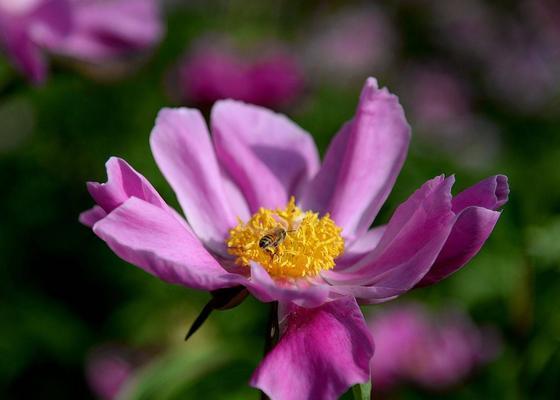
pixel 310 243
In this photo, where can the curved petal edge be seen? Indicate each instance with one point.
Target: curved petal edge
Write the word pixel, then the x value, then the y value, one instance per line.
pixel 321 353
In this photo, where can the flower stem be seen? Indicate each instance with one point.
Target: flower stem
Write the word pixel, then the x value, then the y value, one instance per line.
pixel 271 334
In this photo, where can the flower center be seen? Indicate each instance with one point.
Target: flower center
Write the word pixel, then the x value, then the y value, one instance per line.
pixel 287 242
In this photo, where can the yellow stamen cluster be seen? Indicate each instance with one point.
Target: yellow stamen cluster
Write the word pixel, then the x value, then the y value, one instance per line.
pixel 309 246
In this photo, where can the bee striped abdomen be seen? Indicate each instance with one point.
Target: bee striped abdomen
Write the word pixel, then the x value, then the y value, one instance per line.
pixel 272 238
pixel 266 241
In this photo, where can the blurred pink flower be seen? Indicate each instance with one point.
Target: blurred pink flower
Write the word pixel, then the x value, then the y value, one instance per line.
pixel 108 368
pixel 543 17
pixel 440 107
pixel 435 96
pixel 469 28
pixel 525 73
pixel 214 71
pixel 435 351
pixel 104 29
pixel 237 189
pixel 24 25
pixel 350 44
pixel 94 31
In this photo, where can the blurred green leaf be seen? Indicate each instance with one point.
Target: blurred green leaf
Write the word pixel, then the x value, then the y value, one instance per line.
pixel 362 391
pixel 544 243
pixel 178 368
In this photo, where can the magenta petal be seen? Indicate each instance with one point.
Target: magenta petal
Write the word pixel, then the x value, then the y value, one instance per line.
pixel 300 292
pixel 491 193
pixel 91 216
pixel 362 162
pixel 268 156
pixel 361 247
pixel 410 244
pixel 473 226
pixel 322 352
pixel 154 240
pixel 369 294
pixel 474 223
pixel 183 151
pixel 123 182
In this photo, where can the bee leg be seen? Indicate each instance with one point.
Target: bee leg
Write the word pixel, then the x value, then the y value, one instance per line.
pixel 274 253
pixel 271 252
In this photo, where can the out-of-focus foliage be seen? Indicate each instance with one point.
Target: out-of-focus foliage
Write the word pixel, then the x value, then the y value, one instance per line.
pixel 63 293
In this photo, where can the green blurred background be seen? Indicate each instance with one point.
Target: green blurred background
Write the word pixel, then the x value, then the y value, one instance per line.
pixel 64 293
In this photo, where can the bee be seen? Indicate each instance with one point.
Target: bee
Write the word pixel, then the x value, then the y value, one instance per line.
pixel 272 239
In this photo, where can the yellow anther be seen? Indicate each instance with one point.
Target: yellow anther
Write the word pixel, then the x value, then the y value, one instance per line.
pixel 287 242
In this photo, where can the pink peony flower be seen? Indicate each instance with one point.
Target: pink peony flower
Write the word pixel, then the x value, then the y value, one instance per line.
pixel 214 71
pixel 316 255
pixel 433 351
pixel 94 31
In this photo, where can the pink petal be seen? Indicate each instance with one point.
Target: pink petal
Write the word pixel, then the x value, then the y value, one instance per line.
pixel 123 182
pixel 301 292
pixel 491 193
pixel 361 247
pixel 152 239
pixel 91 216
pixel 362 162
pixel 181 145
pixel 412 240
pixel 322 352
pixel 368 294
pixel 474 224
pixel 268 156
